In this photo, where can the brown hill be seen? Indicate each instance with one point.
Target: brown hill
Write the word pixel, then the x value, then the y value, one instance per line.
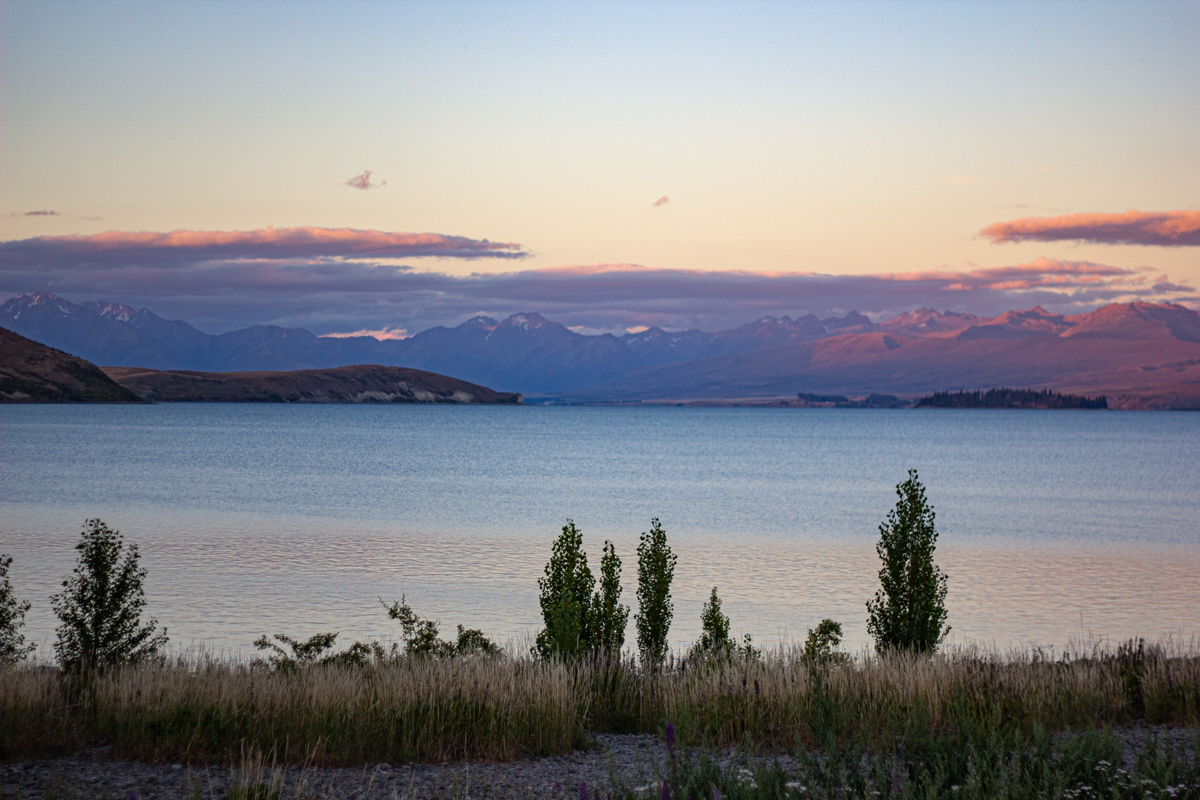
pixel 364 383
pixel 33 373
pixel 1141 355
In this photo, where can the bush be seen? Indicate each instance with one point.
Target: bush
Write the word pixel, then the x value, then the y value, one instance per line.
pixel 301 655
pixel 821 646
pixel 101 605
pixel 12 619
pixel 656 568
pixel 714 631
pixel 909 610
pixel 421 636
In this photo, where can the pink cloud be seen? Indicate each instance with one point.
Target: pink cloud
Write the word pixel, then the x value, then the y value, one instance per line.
pixel 662 201
pixel 363 181
pixel 182 248
pixel 45 212
pixel 382 334
pixel 1164 229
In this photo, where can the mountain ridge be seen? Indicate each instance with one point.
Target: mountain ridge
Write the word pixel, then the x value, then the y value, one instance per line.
pixel 1142 355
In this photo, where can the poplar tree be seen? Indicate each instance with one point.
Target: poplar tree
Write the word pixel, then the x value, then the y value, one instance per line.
pixel 566 598
pixel 656 568
pixel 908 612
pixel 609 617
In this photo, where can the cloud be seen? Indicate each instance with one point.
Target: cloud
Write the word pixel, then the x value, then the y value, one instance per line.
pixel 662 201
pixel 382 334
pixel 45 212
pixel 184 248
pixel 220 282
pixel 363 181
pixel 1164 229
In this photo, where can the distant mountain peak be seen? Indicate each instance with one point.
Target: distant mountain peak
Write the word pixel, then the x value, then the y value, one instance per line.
pixel 481 322
pixel 117 311
pixel 528 321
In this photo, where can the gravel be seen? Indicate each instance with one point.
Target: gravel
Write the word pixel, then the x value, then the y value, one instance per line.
pixel 636 760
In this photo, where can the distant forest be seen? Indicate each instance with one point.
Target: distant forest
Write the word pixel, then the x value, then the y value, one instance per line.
pixel 1010 398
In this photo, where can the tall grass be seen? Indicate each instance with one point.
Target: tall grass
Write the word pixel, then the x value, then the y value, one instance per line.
pixel 426 709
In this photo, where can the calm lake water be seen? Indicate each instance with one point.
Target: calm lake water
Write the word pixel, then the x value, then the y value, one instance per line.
pixel 1055 526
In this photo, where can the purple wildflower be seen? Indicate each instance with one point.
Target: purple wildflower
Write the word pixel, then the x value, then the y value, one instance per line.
pixel 666 792
pixel 670 736
pixel 583 793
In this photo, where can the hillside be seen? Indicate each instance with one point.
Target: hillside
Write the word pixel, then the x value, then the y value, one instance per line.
pixel 33 373
pixel 364 383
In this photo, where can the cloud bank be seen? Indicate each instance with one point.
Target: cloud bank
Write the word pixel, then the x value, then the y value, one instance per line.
pixel 184 248
pixel 327 280
pixel 1164 229
pixel 660 202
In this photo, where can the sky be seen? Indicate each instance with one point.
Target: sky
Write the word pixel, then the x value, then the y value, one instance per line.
pixel 387 167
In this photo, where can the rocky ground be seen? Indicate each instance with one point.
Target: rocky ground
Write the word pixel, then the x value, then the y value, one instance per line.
pixel 634 761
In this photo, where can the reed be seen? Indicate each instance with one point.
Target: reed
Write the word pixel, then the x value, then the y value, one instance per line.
pixel 429 709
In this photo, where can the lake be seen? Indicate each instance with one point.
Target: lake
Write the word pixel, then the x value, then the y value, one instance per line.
pixel 1055 527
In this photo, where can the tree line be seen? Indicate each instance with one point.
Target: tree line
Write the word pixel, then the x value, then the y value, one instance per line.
pixel 100 608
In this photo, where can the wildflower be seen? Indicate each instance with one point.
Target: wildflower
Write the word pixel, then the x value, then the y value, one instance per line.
pixel 670 736
pixel 583 792
pixel 666 792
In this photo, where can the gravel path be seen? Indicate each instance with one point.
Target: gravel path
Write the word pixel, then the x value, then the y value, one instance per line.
pixel 638 760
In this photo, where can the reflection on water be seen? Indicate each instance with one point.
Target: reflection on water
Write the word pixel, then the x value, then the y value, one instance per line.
pixel 260 519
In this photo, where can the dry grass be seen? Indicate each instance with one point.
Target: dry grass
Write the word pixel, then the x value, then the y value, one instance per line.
pixel 504 708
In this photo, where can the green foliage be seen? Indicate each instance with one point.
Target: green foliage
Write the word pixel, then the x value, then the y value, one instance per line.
pixel 298 654
pixel 973 763
pixel 566 598
pixel 909 610
pixel 715 641
pixel 12 619
pixel 101 605
pixel 608 616
pixel 714 630
pixel 421 635
pixel 656 568
pixel 821 646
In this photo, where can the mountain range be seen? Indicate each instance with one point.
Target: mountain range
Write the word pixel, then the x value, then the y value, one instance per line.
pixel 523 353
pixel 1141 355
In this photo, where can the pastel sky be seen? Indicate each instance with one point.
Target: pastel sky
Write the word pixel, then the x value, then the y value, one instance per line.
pixel 700 163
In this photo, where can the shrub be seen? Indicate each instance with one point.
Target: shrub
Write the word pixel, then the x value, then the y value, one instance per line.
pixel 566 598
pixel 301 655
pixel 12 619
pixel 101 605
pixel 909 610
pixel 821 646
pixel 656 568
pixel 421 636
pixel 714 631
